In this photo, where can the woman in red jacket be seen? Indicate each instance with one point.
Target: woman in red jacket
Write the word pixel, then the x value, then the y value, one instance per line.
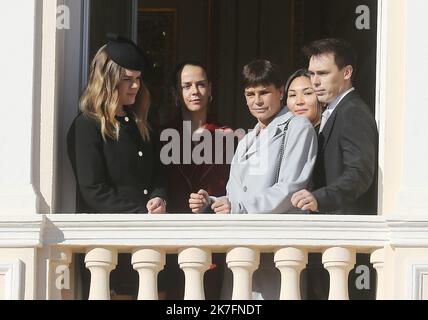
pixel 195 167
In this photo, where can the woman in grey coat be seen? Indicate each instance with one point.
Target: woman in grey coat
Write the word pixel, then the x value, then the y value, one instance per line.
pixel 271 162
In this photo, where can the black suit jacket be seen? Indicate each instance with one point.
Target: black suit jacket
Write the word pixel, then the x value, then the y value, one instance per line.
pixel 345 174
pixel 114 176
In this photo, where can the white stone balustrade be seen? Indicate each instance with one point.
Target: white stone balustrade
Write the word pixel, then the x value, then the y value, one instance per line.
pixel 338 262
pixel 243 262
pixel 148 263
pixel 378 260
pixel 291 262
pixel 289 237
pixel 194 262
pixel 100 262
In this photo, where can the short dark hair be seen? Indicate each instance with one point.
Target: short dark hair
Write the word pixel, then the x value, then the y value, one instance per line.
pixel 261 72
pixel 299 73
pixel 342 50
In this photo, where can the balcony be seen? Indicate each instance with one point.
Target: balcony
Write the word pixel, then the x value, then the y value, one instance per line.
pixel 195 237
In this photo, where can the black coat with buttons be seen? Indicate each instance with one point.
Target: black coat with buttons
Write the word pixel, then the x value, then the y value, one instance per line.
pixel 114 176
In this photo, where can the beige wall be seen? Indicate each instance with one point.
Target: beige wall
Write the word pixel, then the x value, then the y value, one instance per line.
pixel 425 287
pixel 402 117
pixel 16 191
pixel 393 139
pixel 48 105
pixel 400 266
pixel 391 89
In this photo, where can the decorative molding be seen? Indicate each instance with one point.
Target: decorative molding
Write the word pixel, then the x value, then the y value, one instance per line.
pixel 408 231
pixel 216 231
pixel 381 93
pixel 260 230
pixel 21 231
pixel 86 26
pixel 14 276
pixel 417 272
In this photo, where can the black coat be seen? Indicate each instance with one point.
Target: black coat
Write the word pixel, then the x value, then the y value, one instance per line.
pixel 114 176
pixel 345 174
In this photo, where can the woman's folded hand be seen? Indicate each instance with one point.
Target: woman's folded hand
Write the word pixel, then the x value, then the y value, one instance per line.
pixel 156 206
pixel 199 201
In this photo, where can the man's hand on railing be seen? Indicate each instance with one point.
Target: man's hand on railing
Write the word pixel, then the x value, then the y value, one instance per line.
pixel 222 206
pixel 304 200
pixel 156 206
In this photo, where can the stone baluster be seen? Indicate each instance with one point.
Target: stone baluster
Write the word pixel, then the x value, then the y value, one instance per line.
pixel 339 262
pixel 243 262
pixel 148 263
pixel 100 262
pixel 291 262
pixel 194 262
pixel 378 260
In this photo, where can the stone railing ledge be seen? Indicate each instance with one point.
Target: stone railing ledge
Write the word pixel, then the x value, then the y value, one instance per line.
pixel 21 231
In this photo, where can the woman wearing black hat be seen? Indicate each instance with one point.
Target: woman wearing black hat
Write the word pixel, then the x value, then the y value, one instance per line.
pixel 111 149
pixel 110 143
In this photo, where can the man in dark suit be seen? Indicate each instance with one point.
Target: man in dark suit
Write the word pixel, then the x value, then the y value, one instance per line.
pixel 345 174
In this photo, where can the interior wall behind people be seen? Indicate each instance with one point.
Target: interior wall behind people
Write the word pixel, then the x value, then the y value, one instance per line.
pixel 244 31
pixel 226 34
pixel 172 31
pixel 108 16
pixel 318 19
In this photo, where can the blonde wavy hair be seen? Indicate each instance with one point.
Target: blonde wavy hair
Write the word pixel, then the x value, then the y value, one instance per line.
pixel 100 99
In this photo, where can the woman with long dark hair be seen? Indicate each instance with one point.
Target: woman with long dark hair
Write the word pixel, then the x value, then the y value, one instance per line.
pixel 192 93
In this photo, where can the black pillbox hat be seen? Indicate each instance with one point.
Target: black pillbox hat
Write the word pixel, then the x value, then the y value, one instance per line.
pixel 126 53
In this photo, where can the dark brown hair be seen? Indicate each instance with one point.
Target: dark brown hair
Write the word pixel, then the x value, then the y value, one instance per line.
pixel 343 53
pixel 261 72
pixel 176 76
pixel 299 73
